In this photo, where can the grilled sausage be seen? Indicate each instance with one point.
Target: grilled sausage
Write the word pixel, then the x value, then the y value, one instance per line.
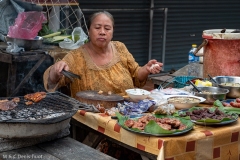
pixel 235 104
pixel 238 100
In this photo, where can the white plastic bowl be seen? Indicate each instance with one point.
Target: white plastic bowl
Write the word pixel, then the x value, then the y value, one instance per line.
pixel 184 102
pixel 137 94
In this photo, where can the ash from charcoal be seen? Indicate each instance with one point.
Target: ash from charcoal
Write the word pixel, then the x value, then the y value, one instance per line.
pixel 29 114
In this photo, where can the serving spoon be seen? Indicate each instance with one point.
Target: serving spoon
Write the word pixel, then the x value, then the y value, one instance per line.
pixel 198 90
pixel 213 79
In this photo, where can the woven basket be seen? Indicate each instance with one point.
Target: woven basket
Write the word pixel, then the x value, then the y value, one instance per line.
pixel 180 81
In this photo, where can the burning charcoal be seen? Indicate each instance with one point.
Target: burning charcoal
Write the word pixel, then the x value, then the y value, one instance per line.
pixel 32 118
pixel 4 118
pixel 25 115
pixel 34 112
pixel 44 109
pixel 38 113
pixel 8 112
pixel 5 113
pixel 21 112
pixel 9 117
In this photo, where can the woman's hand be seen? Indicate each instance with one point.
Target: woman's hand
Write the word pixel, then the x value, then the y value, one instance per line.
pixel 153 66
pixel 55 71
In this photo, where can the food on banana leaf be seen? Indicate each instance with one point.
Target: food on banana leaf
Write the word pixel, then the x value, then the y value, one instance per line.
pixel 155 124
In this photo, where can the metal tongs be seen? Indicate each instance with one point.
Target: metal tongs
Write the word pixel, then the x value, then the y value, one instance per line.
pixel 70 75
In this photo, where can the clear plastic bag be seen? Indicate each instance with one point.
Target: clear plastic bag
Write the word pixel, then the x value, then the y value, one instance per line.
pixel 27 25
pixel 78 39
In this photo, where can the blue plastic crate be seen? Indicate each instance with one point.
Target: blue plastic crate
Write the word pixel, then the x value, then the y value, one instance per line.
pixel 180 81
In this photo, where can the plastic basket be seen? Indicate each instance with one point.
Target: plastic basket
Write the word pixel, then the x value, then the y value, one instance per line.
pixel 180 81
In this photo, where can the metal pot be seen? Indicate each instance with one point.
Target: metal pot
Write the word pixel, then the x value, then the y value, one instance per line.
pixel 215 93
pixel 234 91
pixel 27 44
pixel 221 52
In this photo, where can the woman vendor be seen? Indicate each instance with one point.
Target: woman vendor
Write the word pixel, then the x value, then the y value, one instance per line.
pixel 102 64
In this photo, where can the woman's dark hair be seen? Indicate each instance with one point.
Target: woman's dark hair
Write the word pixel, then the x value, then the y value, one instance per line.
pixel 96 14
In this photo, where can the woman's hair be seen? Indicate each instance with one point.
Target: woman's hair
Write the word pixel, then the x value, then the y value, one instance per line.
pixel 96 14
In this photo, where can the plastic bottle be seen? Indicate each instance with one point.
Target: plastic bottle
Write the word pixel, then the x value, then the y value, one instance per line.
pixel 193 61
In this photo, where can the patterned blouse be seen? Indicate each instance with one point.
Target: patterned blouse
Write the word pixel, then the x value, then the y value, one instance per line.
pixel 116 76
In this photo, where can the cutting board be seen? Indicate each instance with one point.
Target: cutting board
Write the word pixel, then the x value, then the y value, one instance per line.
pixel 96 98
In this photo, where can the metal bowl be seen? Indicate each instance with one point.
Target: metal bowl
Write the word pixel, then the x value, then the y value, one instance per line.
pixel 27 44
pixel 234 92
pixel 211 94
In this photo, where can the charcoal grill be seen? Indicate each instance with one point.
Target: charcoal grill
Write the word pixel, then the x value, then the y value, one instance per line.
pixel 53 108
pixel 48 116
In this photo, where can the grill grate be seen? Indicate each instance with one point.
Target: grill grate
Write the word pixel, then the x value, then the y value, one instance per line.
pixel 55 107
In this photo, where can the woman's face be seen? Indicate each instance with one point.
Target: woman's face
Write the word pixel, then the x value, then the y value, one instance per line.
pixel 101 30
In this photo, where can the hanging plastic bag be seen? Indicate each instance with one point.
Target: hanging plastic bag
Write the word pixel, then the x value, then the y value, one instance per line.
pixel 78 39
pixel 27 25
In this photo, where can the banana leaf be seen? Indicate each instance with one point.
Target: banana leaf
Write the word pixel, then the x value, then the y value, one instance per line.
pixel 219 104
pixel 152 127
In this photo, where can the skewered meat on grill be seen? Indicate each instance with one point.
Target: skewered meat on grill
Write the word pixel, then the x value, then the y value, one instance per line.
pixel 165 123
pixel 7 105
pixel 35 97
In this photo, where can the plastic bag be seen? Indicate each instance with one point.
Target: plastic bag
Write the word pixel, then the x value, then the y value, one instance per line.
pixel 78 39
pixel 13 48
pixel 27 25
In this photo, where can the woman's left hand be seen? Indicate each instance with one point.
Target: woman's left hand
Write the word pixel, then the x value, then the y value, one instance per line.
pixel 153 66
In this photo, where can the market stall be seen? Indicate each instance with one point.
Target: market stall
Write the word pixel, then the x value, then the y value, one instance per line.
pixel 205 140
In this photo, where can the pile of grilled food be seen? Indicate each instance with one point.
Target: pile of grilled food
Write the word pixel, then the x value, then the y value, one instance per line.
pixel 30 99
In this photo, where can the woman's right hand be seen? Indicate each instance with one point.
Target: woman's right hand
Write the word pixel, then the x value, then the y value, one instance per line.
pixel 55 71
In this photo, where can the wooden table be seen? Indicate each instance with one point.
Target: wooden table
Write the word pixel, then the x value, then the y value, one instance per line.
pixel 60 149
